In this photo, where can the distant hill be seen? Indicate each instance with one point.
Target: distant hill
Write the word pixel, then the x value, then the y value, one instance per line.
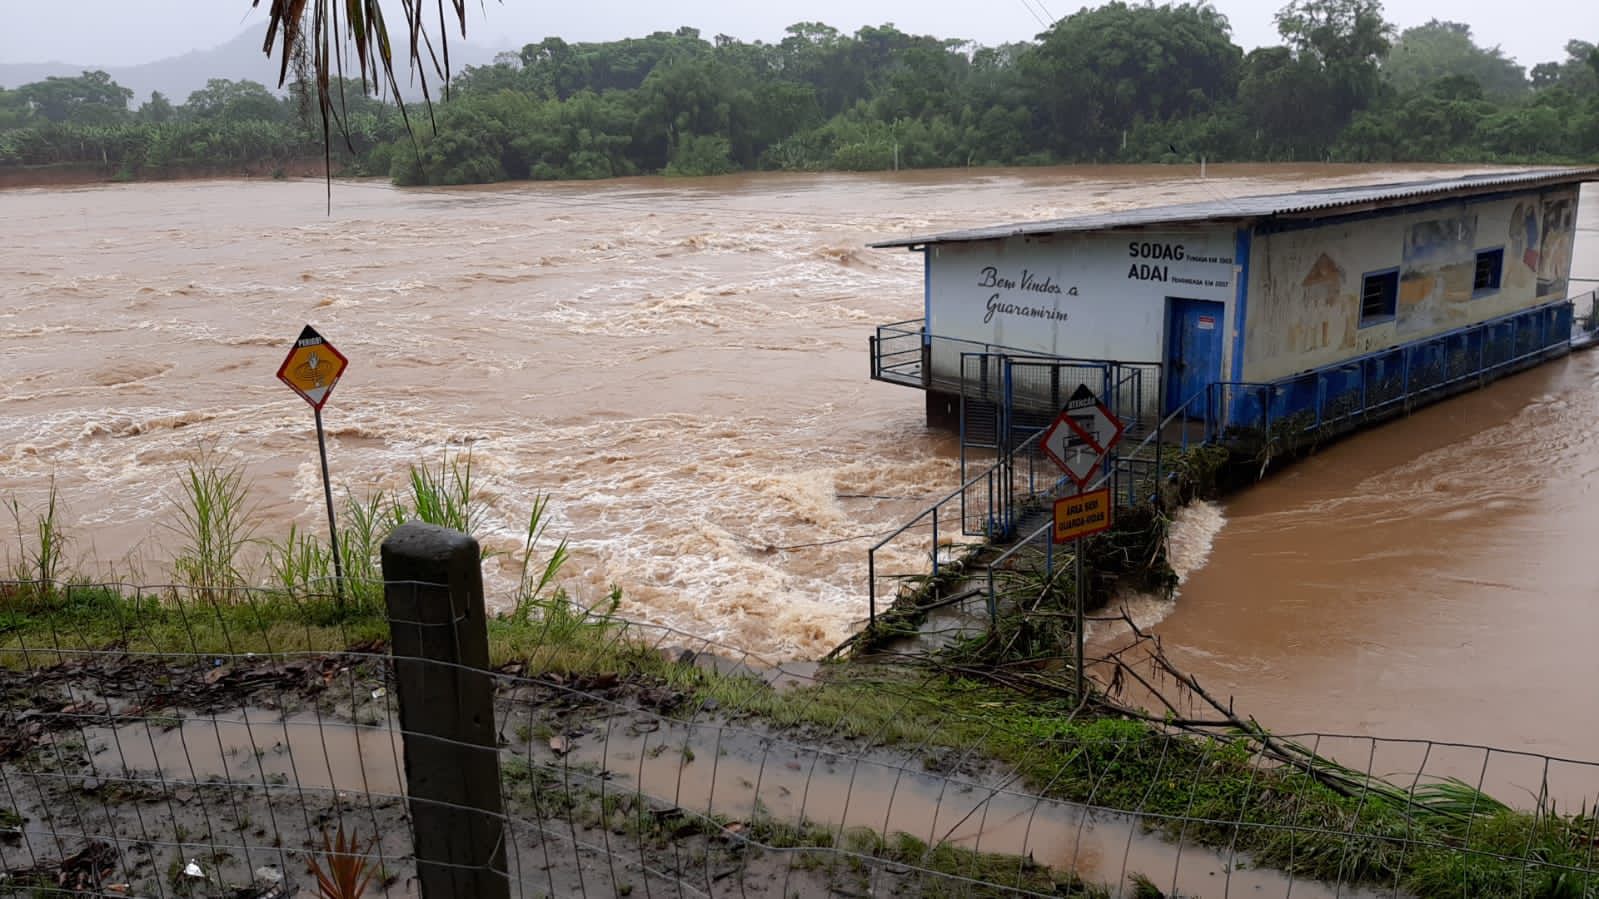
pixel 240 59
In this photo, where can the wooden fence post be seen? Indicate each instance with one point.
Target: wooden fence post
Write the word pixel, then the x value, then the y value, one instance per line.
pixel 433 587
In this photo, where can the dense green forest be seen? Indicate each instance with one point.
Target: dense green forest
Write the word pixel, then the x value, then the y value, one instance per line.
pixel 1118 83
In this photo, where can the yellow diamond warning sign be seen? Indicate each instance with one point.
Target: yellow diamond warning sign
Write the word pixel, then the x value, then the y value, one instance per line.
pixel 312 367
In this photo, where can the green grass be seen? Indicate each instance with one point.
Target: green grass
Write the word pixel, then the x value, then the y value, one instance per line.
pixel 536 581
pixel 41 544
pixel 214 523
pixel 444 496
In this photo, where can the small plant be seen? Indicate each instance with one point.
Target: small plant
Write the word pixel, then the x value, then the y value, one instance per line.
pixel 345 871
pixel 214 521
pixel 298 562
pixel 41 544
pixel 536 579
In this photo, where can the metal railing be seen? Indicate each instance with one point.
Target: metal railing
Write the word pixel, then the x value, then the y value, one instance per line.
pixel 897 350
pixel 903 353
pixel 992 504
pixel 1329 400
pixel 1124 473
pixel 1585 317
pixel 989 495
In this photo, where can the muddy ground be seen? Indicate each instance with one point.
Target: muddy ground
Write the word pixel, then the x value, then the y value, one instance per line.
pixel 208 777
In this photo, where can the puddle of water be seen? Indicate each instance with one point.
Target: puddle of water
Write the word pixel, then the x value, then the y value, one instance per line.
pixel 715 769
pixel 260 747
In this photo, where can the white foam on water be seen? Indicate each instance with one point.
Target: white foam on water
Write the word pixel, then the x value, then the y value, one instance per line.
pixel 1189 540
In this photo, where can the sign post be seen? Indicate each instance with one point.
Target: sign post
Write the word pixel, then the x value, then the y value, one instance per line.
pixel 1080 441
pixel 1077 517
pixel 311 369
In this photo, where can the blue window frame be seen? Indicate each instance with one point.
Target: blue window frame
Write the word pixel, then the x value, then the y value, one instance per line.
pixel 1379 296
pixel 1490 269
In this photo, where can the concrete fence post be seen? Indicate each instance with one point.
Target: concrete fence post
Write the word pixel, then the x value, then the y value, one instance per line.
pixel 433 587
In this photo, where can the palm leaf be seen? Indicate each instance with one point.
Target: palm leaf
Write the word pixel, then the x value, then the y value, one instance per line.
pixel 310 37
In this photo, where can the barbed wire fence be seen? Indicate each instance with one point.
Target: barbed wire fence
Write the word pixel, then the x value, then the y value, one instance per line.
pixel 175 741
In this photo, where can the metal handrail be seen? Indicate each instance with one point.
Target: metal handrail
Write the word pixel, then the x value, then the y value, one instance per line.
pixel 987 474
pixel 1407 368
pixel 1180 411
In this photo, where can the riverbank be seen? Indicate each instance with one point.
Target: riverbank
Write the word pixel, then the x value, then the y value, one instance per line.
pixel 572 686
pixel 81 174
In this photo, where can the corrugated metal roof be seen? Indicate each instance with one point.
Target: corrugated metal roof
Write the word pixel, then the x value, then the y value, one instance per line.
pixel 1331 200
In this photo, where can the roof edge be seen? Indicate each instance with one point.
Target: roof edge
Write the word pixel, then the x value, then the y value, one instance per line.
pixel 1396 195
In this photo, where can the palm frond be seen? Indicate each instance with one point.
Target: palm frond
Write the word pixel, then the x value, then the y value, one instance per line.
pixel 310 37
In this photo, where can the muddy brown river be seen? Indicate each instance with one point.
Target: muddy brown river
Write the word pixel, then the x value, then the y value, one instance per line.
pixel 682 366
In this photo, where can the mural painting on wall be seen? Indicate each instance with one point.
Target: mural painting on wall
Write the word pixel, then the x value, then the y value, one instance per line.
pixel 1316 313
pixel 1328 320
pixel 1524 237
pixel 1435 277
pixel 1554 245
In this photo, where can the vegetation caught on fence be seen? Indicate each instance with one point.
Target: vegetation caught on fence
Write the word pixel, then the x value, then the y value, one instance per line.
pixel 1116 83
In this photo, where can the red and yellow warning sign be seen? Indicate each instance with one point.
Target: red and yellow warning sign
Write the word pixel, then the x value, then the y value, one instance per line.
pixel 312 367
pixel 1082 515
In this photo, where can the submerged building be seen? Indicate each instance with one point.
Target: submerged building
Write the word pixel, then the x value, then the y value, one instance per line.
pixel 1316 310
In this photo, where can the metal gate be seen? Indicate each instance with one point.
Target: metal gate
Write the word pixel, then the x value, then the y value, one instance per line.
pixel 1007 401
pixel 982 440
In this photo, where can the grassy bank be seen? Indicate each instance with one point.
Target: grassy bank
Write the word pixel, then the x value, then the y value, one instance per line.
pixel 1215 790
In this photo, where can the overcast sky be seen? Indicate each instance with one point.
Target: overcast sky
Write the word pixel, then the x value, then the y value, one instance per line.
pixel 119 32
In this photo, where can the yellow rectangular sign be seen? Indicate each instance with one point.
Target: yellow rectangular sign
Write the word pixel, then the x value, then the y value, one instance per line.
pixel 1082 515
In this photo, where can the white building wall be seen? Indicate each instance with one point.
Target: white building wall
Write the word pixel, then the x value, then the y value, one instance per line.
pixel 1303 306
pixel 1088 296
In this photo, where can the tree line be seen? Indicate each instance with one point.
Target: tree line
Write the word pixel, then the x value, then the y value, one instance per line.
pixel 1117 83
pixel 87 120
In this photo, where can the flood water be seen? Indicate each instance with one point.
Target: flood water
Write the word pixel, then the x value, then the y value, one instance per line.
pixel 682 366
pixel 1432 579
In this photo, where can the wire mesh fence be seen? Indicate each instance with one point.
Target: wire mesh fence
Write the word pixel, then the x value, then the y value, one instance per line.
pixel 172 741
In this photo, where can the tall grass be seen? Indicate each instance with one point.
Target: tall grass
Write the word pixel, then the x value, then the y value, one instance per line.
pixel 536 579
pixel 41 543
pixel 362 529
pixel 447 495
pixel 297 563
pixel 444 497
pixel 215 526
pixel 215 521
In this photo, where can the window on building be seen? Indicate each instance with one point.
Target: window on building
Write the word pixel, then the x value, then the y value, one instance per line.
pixel 1490 265
pixel 1379 296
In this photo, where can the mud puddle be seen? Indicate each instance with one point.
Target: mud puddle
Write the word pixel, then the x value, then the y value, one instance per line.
pixel 736 770
pixel 257 746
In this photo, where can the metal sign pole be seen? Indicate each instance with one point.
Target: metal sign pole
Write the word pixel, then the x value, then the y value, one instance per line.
pixel 1078 616
pixel 333 528
pixel 311 369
